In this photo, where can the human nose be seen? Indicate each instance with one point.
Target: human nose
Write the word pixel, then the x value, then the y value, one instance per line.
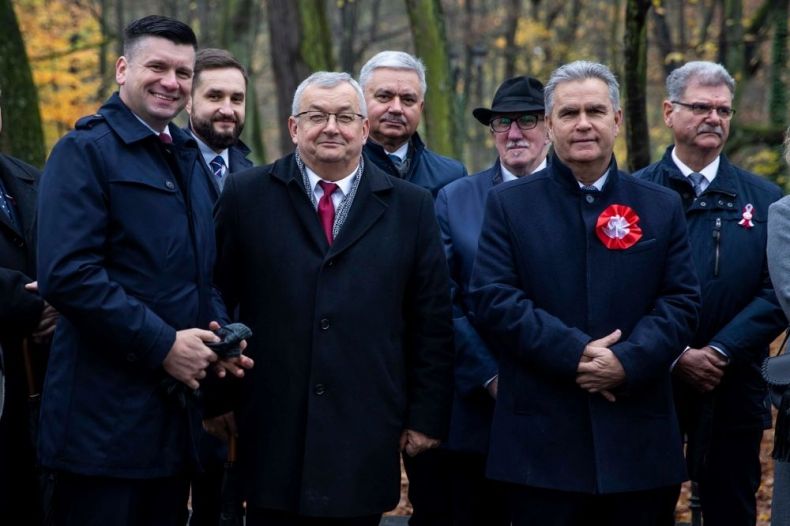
pixel 514 132
pixel 331 123
pixel 169 79
pixel 583 122
pixel 395 105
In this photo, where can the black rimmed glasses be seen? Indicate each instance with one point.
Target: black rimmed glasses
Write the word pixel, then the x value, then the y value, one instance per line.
pixel 320 118
pixel 701 108
pixel 524 122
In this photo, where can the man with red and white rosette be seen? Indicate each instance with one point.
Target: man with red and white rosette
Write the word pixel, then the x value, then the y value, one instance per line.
pixel 582 280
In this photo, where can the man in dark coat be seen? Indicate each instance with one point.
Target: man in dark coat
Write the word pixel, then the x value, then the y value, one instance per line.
pixel 126 251
pixel 720 395
pixel 581 282
pixel 517 124
pixel 216 113
pixel 394 86
pixel 338 269
pixel 216 119
pixel 23 316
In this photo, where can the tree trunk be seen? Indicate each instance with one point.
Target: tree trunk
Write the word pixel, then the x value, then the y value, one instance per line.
pixel 511 26
pixel 316 45
pixel 288 64
pixel 777 96
pixel 23 137
pixel 427 26
pixel 635 79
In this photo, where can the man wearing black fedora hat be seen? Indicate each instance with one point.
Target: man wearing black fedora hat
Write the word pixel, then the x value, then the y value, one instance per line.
pixel 516 122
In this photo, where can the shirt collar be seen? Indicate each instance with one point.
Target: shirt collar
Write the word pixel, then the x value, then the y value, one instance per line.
pixel 507 175
pixel 208 153
pixel 344 184
pixel 166 131
pixel 709 172
pixel 597 184
pixel 401 152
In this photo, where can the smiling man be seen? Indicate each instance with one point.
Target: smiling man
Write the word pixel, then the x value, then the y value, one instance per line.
pixel 216 112
pixel 718 388
pixel 340 266
pixel 126 250
pixel 581 283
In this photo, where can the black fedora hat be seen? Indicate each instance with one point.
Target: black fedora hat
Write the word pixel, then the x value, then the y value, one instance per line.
pixel 515 95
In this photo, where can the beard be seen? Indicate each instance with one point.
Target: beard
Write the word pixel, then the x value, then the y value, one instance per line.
pixel 216 140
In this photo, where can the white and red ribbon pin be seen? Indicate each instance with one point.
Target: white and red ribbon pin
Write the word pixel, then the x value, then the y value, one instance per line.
pixel 746 220
pixel 617 227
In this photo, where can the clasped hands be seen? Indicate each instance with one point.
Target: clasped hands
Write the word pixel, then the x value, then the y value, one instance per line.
pixel 702 368
pixel 599 370
pixel 189 358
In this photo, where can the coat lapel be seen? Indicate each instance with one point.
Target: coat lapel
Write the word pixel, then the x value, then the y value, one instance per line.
pixel 369 205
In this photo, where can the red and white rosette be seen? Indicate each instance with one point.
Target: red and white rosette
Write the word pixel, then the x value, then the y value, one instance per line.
pixel 746 218
pixel 617 227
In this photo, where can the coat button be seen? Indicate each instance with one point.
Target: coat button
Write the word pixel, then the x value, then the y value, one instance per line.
pixel 687 196
pixel 324 324
pixel 330 263
pixel 170 185
pixel 319 389
pixel 131 357
pixel 18 241
pixel 703 204
pixel 729 205
pixel 589 198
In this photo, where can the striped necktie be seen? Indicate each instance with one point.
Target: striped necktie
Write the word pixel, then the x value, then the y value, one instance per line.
pixel 218 167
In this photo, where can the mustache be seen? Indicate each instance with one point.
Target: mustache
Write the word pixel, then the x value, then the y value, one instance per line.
pixel 707 128
pixel 388 117
pixel 517 144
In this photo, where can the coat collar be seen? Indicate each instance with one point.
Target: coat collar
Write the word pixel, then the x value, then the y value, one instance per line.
pixel 370 202
pixel 725 181
pixel 564 176
pixel 128 127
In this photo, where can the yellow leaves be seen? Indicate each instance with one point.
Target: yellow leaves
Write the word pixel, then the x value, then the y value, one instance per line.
pixel 60 37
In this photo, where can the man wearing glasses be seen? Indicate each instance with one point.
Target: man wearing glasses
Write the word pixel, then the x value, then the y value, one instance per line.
pixel 719 393
pixel 344 280
pixel 516 120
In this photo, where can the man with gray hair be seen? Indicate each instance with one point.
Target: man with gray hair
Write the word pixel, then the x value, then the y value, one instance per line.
pixel 719 392
pixel 344 279
pixel 581 281
pixel 394 86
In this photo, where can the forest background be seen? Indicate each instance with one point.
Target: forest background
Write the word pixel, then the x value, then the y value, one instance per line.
pixel 57 61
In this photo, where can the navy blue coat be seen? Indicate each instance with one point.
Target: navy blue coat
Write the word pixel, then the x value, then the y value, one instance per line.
pixel 126 251
pixel 427 169
pixel 459 208
pixel 544 286
pixel 740 312
pixel 352 341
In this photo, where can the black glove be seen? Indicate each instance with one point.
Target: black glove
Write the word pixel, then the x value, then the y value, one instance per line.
pixel 231 336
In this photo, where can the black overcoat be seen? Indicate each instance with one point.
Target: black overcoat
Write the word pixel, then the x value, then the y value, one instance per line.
pixel 352 344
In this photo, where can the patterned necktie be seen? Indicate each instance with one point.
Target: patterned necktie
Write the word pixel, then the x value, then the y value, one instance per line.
pixel 165 138
pixel 326 209
pixel 590 189
pixel 397 161
pixel 697 180
pixel 218 167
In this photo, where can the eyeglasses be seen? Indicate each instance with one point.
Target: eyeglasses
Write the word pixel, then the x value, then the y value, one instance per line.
pixel 700 109
pixel 320 118
pixel 524 122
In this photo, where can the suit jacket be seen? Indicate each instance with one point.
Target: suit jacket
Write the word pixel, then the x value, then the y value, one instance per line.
pixel 352 342
pixel 740 313
pixel 126 252
pixel 426 169
pixel 543 286
pixel 779 251
pixel 459 208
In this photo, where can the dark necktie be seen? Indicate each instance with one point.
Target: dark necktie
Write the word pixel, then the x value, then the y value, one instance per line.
pixel 218 167
pixel 696 181
pixel 326 209
pixel 165 138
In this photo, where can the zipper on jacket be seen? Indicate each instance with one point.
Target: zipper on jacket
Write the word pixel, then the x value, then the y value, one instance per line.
pixel 717 239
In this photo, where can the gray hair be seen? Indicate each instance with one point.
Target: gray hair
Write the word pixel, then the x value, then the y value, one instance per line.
pixel 394 60
pixel 581 70
pixel 705 73
pixel 328 79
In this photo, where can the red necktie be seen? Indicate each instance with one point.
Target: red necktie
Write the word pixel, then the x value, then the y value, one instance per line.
pixel 165 138
pixel 326 210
